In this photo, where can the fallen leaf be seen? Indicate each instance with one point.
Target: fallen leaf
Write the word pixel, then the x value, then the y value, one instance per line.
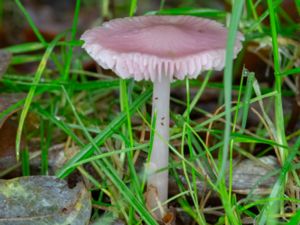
pixel 7 144
pixel 8 129
pixel 248 176
pixel 43 200
pixel 170 217
pixel 7 101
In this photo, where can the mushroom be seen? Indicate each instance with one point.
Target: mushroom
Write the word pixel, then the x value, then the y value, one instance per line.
pixel 160 49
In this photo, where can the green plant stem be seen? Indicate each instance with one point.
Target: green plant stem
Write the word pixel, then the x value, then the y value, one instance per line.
pixel 105 9
pixel 135 181
pixel 279 117
pixel 234 21
pixel 73 37
pixel 235 18
pixel 133 7
pixel 31 23
pixel 32 90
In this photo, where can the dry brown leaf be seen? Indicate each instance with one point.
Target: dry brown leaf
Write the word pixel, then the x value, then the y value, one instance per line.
pixel 6 101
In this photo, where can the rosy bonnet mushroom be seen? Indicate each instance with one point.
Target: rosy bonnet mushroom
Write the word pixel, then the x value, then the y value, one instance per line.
pixel 160 49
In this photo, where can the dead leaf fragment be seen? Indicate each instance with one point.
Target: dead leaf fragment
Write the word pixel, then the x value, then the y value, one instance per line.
pixel 7 144
pixel 170 217
pixel 43 200
pixel 8 100
pixel 248 176
pixel 8 128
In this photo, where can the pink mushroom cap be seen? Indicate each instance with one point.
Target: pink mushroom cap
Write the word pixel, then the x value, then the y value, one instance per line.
pixel 148 47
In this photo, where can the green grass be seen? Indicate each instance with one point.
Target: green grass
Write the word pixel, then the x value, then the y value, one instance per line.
pixel 32 90
pixel 108 120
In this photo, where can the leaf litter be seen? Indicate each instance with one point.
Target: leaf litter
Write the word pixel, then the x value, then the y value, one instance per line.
pixel 43 200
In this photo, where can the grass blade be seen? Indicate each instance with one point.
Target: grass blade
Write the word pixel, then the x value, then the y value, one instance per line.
pixel 279 121
pixel 31 23
pixel 235 18
pixel 88 149
pixel 32 90
pixel 272 206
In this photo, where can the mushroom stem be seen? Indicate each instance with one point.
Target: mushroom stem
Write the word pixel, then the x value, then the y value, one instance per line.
pixel 157 186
